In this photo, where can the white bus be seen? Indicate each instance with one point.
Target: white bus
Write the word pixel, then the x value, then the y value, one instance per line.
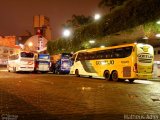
pixel 24 61
pixel 129 61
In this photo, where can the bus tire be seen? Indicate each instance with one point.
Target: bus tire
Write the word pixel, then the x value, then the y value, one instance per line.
pixel 77 73
pixel 131 80
pixel 107 75
pixel 54 71
pixel 114 76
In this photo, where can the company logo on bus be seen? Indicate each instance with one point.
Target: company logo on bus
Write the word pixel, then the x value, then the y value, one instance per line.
pixel 145 58
pixel 145 48
pixel 30 62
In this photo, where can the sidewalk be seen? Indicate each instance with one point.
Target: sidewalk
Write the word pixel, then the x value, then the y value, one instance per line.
pixel 155 79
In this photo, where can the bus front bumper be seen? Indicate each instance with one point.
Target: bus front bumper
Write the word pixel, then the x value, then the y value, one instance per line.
pixel 144 76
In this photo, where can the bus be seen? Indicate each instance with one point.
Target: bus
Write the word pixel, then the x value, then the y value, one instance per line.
pixel 129 61
pixel 23 61
pixel 61 63
pixel 42 63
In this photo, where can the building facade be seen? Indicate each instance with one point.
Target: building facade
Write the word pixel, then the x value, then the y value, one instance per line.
pixel 42 23
pixel 7 47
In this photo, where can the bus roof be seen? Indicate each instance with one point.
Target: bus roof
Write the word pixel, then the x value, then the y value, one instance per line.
pixel 110 47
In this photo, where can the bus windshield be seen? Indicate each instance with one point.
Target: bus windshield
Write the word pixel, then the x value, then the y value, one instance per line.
pixel 43 56
pixel 27 55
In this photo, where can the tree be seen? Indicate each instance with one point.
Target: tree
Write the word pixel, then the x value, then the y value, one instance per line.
pixel 78 20
pixel 131 14
pixel 111 3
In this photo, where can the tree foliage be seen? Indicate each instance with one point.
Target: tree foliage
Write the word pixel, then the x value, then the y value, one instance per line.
pixel 111 3
pixel 78 20
pixel 131 14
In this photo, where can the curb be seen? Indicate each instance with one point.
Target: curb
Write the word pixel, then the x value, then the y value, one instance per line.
pixel 155 79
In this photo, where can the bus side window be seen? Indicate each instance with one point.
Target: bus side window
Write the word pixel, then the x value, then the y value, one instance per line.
pixel 113 55
pixel 98 55
pixel 103 54
pixel 128 51
pixel 79 57
pixel 107 54
pixel 85 56
pixel 120 53
pixel 92 56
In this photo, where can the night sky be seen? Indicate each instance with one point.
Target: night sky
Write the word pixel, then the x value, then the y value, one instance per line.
pixel 16 16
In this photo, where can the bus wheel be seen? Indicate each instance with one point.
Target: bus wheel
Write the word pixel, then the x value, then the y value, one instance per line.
pixel 54 71
pixel 131 80
pixel 114 76
pixel 107 75
pixel 57 72
pixel 77 73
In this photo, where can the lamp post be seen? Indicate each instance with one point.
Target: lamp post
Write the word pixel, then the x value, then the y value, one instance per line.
pixel 30 44
pixel 158 35
pixel 97 16
pixel 92 41
pixel 66 33
pixel 102 46
pixel 158 22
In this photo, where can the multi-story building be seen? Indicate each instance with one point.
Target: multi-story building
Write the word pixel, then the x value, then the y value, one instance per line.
pixel 42 23
pixel 35 43
pixel 7 47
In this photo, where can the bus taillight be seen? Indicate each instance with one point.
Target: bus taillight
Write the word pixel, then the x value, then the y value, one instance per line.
pixel 135 68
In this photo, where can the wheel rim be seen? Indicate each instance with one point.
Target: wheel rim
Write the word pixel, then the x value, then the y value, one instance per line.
pixel 107 75
pixel 115 76
pixel 77 73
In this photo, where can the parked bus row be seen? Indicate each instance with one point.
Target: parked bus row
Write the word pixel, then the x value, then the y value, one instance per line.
pixel 129 61
pixel 33 62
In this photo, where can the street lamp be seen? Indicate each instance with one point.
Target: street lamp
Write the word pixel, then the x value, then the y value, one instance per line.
pixel 66 33
pixel 102 46
pixel 92 41
pixel 158 22
pixel 158 35
pixel 97 16
pixel 30 44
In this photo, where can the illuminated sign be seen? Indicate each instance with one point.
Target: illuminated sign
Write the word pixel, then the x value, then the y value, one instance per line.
pixel 145 58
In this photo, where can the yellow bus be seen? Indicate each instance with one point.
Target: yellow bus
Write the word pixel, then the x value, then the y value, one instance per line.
pixel 129 61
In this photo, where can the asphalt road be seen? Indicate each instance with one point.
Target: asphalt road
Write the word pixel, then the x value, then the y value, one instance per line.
pixel 27 96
